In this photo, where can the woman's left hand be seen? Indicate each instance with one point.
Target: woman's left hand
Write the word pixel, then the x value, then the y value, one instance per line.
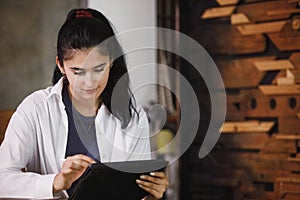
pixel 156 184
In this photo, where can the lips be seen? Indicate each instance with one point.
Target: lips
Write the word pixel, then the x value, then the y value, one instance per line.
pixel 90 91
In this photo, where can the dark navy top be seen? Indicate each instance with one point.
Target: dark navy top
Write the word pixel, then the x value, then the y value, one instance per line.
pixel 81 134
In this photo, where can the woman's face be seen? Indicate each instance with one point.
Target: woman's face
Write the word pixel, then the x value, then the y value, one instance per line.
pixel 87 72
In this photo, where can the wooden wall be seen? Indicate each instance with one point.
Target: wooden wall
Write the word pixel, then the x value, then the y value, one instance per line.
pixel 256 46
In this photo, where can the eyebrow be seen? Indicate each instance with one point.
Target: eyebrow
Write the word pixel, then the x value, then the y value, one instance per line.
pixel 77 68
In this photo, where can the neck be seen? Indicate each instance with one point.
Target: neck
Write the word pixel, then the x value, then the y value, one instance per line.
pixel 87 108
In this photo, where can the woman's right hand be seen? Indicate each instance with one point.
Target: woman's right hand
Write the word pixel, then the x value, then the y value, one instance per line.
pixel 72 168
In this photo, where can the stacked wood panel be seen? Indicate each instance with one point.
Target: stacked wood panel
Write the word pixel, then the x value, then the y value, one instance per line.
pixel 256 46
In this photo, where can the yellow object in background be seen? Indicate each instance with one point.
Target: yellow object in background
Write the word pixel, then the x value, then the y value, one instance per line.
pixel 164 138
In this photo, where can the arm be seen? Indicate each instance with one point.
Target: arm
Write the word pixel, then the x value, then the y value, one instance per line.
pixel 16 152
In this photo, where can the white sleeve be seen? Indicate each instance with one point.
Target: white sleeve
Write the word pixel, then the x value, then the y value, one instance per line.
pixel 16 152
pixel 140 149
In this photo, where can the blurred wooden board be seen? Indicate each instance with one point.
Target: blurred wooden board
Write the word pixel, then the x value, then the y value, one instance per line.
pixel 291 196
pixel 287 137
pixel 273 65
pixel 289 125
pixel 259 195
pixel 264 174
pixel 256 104
pixel 283 11
pixel 5 116
pixel 288 39
pixel 289 186
pixel 295 59
pixel 279 146
pixel 227 2
pixel 247 126
pixel 239 18
pixel 225 39
pixel 268 27
pixel 258 12
pixel 271 161
pixel 218 12
pixel 243 141
pixel 280 89
pixel 247 74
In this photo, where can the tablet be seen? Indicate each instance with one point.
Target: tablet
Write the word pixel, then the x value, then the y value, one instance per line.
pixel 116 180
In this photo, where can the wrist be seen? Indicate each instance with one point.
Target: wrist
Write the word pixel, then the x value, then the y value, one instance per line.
pixel 58 183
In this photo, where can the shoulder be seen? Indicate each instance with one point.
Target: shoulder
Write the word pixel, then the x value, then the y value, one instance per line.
pixel 38 98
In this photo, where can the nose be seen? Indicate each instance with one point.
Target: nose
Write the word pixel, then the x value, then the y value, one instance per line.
pixel 90 80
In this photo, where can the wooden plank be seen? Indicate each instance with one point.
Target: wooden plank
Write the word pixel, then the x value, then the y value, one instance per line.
pixel 239 18
pixel 233 113
pixel 255 104
pixel 247 74
pixel 291 197
pixel 288 125
pixel 292 159
pixel 287 137
pixel 218 12
pixel 258 174
pixel 279 146
pixel 283 11
pixel 289 79
pixel 273 65
pixel 206 179
pixel 247 126
pixel 227 2
pixel 260 195
pixel 225 39
pixel 295 59
pixel 280 89
pixel 268 27
pixel 285 81
pixel 249 159
pixel 284 188
pixel 5 116
pixel 288 39
pixel 258 12
pixel 243 141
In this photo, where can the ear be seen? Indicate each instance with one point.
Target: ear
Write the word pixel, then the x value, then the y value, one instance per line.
pixel 59 66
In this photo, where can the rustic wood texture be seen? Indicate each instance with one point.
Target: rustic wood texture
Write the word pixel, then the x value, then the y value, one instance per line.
pixel 273 65
pixel 239 18
pixel 5 116
pixel 256 104
pixel 246 74
pixel 246 126
pixel 226 39
pixel 268 27
pixel 218 12
pixel 263 87
pixel 288 125
pixel 227 2
pixel 243 141
pixel 295 59
pixel 280 89
pixel 258 12
pixel 288 39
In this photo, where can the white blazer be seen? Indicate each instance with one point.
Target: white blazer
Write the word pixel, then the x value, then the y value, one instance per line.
pixel 36 138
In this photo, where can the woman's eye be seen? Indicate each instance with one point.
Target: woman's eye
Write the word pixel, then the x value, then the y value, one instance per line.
pixel 98 70
pixel 79 73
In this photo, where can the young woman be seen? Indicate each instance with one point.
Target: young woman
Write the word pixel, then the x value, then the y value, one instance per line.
pixel 56 133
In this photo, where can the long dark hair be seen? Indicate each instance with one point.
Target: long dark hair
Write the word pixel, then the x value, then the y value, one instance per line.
pixel 88 28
